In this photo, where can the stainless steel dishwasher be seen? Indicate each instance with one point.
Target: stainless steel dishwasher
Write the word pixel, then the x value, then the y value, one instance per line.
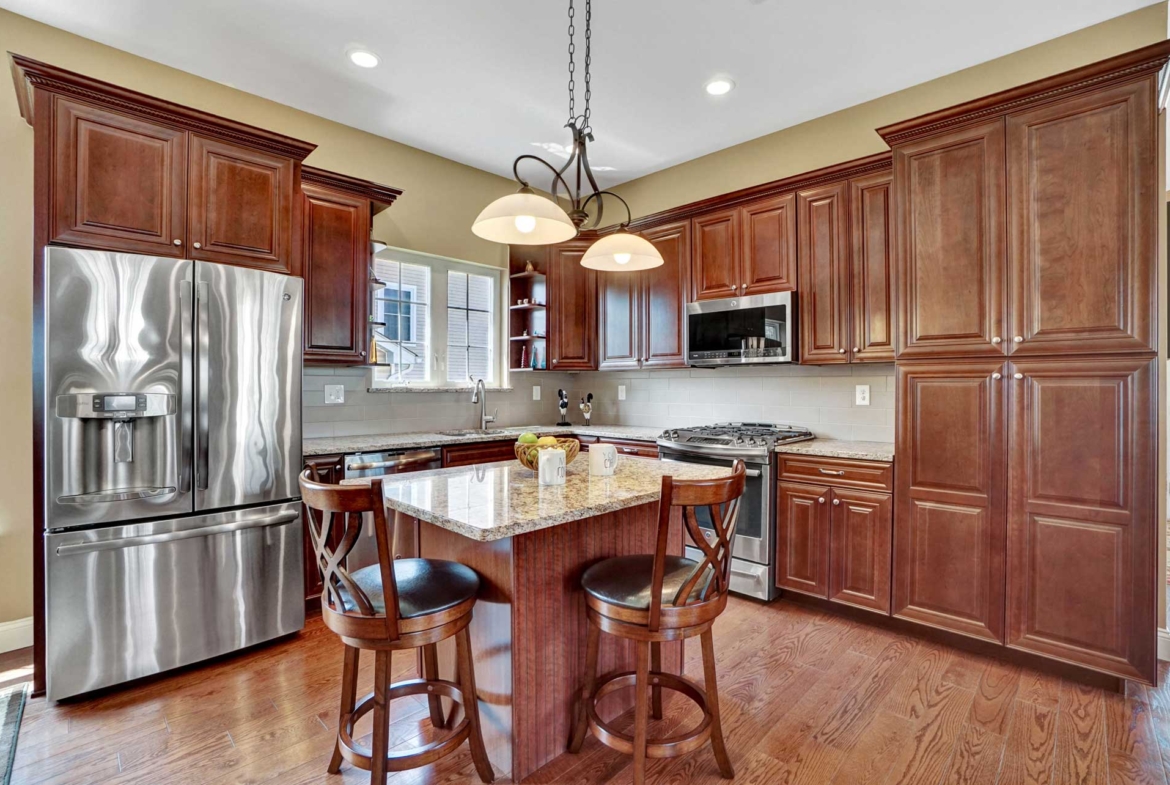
pixel 380 464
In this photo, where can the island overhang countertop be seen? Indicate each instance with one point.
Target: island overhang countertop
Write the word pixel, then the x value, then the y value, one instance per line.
pixel 492 501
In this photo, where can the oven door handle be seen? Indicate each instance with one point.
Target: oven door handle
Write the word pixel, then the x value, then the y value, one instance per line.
pixel 748 472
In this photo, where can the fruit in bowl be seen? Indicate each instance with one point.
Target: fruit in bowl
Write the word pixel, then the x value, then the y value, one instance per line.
pixel 528 450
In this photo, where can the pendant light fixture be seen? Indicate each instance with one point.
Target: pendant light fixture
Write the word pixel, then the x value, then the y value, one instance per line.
pixel 528 218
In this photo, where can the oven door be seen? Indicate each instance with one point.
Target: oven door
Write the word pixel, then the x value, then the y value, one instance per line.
pixel 753 532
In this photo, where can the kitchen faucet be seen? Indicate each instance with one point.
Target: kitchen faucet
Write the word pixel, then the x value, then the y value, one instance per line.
pixel 479 395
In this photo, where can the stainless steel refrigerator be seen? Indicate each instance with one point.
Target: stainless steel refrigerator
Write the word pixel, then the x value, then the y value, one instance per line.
pixel 172 448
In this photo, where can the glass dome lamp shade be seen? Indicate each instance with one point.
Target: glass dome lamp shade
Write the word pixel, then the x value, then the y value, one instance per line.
pixel 622 252
pixel 524 218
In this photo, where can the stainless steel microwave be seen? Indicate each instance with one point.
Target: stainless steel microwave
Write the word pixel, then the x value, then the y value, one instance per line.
pixel 759 329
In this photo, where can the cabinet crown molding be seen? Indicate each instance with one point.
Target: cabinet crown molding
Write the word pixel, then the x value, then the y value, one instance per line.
pixel 1131 65
pixel 28 74
pixel 382 196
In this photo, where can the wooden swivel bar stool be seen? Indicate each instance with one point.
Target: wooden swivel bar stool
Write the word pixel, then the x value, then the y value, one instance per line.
pixel 654 598
pixel 394 605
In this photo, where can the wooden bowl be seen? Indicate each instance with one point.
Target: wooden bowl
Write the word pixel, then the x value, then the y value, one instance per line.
pixel 529 454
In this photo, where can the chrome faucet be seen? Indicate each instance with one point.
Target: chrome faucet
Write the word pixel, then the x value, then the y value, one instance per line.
pixel 479 395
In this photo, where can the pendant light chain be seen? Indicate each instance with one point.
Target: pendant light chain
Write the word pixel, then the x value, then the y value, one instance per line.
pixel 585 126
pixel 572 66
pixel 588 129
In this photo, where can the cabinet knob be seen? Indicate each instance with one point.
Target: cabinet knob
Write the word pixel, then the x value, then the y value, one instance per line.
pixel 554 361
pixel 856 349
pixel 996 339
pixel 821 500
pixel 178 242
pixel 841 351
pixel 836 502
pixel 1018 339
pixel 1018 376
pixel 197 245
pixel 363 354
pixel 997 376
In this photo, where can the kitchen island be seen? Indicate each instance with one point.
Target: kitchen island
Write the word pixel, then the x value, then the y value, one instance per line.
pixel 530 544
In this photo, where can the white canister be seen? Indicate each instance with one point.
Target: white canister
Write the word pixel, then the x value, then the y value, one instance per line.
pixel 602 460
pixel 551 467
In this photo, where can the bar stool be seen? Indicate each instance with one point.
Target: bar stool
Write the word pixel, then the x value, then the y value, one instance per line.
pixel 655 598
pixel 394 605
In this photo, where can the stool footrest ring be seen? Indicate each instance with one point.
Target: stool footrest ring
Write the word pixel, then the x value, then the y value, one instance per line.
pixel 666 747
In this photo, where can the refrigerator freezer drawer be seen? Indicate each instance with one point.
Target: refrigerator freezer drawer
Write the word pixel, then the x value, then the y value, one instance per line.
pixel 131 601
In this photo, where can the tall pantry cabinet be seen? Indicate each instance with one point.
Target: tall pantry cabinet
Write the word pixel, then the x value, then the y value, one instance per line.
pixel 1027 366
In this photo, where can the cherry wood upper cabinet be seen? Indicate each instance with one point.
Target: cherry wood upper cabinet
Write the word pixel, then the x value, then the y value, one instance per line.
pixel 715 256
pixel 619 315
pixel 871 205
pixel 823 219
pixel 1082 218
pixel 118 182
pixel 664 298
pixel 950 243
pixel 241 206
pixel 861 539
pixel 949 524
pixel 768 262
pixel 572 309
pixel 1082 505
pixel 802 542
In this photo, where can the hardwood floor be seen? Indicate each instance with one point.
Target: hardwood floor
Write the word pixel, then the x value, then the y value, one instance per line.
pixel 807 697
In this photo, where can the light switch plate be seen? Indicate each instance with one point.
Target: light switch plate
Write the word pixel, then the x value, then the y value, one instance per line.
pixel 861 395
pixel 536 392
pixel 334 393
pixel 621 392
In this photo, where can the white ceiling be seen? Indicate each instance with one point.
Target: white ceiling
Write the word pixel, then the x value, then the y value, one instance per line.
pixel 482 81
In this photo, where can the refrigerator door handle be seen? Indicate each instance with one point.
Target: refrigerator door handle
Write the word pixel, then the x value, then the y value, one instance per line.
pixel 185 534
pixel 204 384
pixel 185 385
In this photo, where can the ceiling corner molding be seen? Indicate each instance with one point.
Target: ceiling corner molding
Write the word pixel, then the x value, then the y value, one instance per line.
pixel 1130 65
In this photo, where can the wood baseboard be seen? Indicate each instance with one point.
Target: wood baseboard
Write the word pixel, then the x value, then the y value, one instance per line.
pixel 1163 644
pixel 16 634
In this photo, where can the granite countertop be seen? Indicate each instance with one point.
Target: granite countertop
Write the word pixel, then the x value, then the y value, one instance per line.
pixel 840 448
pixel 492 501
pixel 338 445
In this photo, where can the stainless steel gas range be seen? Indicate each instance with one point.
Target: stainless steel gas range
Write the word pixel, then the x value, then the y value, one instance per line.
pixel 753 569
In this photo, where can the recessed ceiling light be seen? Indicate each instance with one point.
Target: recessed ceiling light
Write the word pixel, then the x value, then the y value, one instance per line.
pixel 362 58
pixel 720 86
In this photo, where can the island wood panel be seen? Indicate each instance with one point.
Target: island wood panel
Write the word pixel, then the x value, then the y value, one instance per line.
pixel 529 627
pixel 949 523
pixel 665 290
pixel 1082 534
pixel 1082 223
pixel 715 256
pixel 823 251
pixel 950 243
pixel 768 263
pixel 871 206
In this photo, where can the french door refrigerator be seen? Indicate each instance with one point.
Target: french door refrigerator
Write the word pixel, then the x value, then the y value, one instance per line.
pixel 172 448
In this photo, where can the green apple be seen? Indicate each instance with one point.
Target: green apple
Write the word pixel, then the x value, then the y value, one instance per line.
pixel 527 438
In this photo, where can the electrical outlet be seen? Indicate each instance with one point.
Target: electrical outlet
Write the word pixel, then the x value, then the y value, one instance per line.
pixel 861 395
pixel 536 392
pixel 335 393
pixel 621 392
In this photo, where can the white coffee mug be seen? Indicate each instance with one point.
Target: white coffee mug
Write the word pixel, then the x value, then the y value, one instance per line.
pixel 602 460
pixel 551 467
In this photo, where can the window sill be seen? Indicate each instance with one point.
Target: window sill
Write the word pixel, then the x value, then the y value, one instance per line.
pixel 423 389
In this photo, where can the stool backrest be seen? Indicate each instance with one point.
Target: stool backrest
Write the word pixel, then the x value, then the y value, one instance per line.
pixel 712 577
pixel 335 524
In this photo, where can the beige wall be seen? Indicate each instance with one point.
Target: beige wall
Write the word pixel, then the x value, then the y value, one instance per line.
pixel 849 133
pixel 434 215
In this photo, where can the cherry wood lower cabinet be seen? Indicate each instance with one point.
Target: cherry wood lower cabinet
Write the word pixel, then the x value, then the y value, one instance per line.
pixel 631 447
pixel 479 452
pixel 1082 531
pixel 950 522
pixel 802 547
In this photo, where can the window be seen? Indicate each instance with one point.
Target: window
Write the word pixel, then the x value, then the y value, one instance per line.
pixel 453 349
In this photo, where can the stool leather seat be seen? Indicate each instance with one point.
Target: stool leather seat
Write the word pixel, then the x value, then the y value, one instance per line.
pixel 425 586
pixel 625 581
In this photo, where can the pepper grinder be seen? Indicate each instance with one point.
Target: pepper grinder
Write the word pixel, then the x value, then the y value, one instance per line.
pixel 587 407
pixel 563 405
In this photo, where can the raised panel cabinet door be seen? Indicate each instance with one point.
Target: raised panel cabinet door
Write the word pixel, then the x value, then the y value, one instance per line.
pixel 335 263
pixel 823 250
pixel 572 309
pixel 802 538
pixel 715 270
pixel 860 549
pixel 1082 528
pixel 949 486
pixel 871 205
pixel 241 206
pixel 769 246
pixel 119 183
pixel 664 298
pixel 1082 223
pixel 619 317
pixel 950 257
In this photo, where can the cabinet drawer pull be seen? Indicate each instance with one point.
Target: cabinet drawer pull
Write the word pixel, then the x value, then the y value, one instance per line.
pixel 840 473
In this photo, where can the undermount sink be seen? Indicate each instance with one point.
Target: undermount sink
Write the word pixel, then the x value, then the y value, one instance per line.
pixel 472 431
